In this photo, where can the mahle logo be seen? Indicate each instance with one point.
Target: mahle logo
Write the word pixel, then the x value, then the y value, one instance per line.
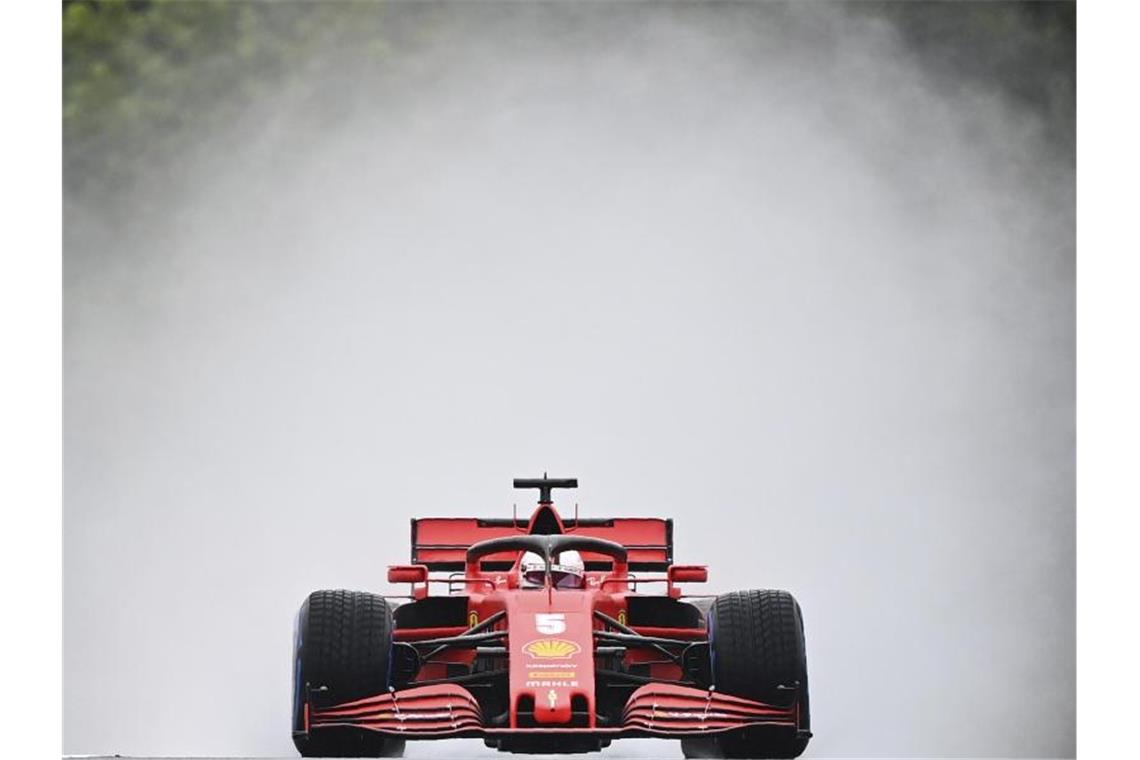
pixel 552 649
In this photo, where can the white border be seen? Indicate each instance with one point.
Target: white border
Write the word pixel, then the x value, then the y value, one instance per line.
pixel 1108 380
pixel 31 382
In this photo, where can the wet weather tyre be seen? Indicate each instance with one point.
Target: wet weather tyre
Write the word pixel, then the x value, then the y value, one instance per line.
pixel 757 652
pixel 342 644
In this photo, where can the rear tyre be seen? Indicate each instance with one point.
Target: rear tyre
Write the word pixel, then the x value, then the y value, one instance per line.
pixel 756 644
pixel 342 642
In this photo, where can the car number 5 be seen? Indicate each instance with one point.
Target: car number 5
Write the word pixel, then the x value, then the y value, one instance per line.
pixel 550 622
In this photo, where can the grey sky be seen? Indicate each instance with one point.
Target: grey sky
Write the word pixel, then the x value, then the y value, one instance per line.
pixel 764 277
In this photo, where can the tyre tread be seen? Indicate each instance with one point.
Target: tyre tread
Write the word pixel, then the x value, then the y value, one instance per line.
pixel 758 647
pixel 346 648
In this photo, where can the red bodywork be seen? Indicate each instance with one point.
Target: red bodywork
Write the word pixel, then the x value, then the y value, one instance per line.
pixel 523 666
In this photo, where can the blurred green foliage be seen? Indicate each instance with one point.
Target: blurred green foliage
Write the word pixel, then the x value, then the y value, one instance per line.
pixel 1027 48
pixel 143 78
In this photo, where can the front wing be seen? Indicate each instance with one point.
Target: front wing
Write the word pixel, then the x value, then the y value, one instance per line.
pixel 450 711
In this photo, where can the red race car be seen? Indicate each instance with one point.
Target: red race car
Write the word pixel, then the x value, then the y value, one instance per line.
pixel 547 640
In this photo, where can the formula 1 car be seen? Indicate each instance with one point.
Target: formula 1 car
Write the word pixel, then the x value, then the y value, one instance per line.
pixel 545 642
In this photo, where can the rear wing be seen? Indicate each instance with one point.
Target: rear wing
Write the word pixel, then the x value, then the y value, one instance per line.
pixel 441 542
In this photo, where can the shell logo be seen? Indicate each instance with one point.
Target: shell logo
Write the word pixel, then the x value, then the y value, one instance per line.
pixel 552 649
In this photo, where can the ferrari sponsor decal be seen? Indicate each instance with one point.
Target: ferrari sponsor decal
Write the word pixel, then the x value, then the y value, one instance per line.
pixel 544 678
pixel 621 616
pixel 551 665
pixel 562 683
pixel 552 649
pixel 552 674
pixel 550 622
pixel 472 619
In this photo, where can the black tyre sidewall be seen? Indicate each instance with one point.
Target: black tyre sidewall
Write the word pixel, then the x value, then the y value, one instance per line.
pixel 343 642
pixel 756 644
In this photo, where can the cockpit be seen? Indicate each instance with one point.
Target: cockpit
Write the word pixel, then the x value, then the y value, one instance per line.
pixel 567 571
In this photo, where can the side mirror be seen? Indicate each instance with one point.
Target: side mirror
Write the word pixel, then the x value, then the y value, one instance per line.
pixel 688 574
pixel 685 574
pixel 407 573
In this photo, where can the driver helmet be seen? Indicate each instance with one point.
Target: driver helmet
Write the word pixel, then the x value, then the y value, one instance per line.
pixel 568 571
pixel 532 570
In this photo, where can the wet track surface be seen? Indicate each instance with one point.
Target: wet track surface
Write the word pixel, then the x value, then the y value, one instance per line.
pixel 629 749
pixel 632 749
pixel 666 753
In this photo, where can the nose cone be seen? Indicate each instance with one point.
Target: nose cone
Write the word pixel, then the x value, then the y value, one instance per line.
pixel 552 656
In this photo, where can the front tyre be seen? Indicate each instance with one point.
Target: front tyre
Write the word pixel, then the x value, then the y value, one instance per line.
pixel 342 642
pixel 701 748
pixel 756 644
